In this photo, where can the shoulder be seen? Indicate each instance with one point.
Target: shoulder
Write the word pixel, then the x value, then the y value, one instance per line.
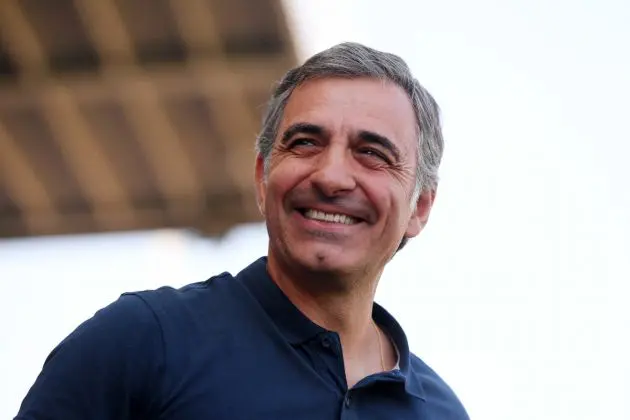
pixel 105 362
pixel 216 292
pixel 121 353
pixel 125 327
pixel 142 316
pixel 206 308
pixel 119 318
pixel 440 397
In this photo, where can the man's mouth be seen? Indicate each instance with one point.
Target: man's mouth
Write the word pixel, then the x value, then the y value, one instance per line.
pixel 329 217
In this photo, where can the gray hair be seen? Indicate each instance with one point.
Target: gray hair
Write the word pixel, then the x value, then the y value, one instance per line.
pixel 353 60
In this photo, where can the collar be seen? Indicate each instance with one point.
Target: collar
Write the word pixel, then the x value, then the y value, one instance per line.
pixel 297 328
pixel 292 323
pixel 392 328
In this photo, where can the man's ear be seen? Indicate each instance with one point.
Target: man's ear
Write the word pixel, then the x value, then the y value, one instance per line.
pixel 261 187
pixel 420 215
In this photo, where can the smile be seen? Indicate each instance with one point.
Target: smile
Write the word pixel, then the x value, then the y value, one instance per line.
pixel 329 217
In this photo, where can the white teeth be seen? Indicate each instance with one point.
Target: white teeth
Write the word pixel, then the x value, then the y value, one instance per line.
pixel 330 217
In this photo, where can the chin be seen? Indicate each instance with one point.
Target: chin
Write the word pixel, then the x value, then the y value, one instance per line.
pixel 324 259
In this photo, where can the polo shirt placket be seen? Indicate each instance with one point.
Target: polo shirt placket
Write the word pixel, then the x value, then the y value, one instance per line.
pixel 322 348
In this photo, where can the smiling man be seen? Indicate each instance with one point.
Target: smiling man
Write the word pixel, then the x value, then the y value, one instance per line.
pixel 346 173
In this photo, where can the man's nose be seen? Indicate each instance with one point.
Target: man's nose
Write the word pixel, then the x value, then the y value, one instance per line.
pixel 333 175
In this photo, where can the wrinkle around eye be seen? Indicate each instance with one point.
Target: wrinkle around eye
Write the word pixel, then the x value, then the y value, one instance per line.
pixel 301 142
pixel 301 146
pixel 376 156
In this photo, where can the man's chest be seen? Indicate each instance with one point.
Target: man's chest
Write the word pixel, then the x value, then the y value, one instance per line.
pixel 271 381
pixel 234 394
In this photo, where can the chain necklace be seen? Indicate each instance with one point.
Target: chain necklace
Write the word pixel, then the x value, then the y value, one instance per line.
pixel 380 345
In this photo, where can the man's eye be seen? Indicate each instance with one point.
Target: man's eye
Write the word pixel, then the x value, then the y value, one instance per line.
pixel 301 142
pixel 375 154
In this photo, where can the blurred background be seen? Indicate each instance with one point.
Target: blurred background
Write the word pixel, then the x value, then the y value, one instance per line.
pixel 127 135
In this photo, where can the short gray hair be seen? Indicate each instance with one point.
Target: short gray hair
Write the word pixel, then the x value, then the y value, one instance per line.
pixel 353 60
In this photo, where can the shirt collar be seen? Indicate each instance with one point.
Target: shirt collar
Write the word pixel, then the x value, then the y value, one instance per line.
pixel 392 328
pixel 297 328
pixel 292 323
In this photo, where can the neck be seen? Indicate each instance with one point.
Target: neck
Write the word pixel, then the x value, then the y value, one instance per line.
pixel 340 303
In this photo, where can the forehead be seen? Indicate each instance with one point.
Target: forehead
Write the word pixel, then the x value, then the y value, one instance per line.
pixel 347 105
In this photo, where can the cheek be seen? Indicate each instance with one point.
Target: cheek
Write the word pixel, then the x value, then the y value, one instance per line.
pixel 391 202
pixel 279 183
pixel 379 191
pixel 288 173
pixel 273 197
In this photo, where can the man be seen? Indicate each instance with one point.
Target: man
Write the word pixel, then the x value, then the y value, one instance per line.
pixel 346 173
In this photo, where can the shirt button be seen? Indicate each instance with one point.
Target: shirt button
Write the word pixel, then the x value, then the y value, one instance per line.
pixel 326 342
pixel 347 400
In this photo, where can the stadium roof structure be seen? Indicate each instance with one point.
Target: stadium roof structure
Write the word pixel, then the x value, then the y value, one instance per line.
pixel 122 115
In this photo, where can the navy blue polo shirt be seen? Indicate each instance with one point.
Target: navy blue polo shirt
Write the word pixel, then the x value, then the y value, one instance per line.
pixel 229 348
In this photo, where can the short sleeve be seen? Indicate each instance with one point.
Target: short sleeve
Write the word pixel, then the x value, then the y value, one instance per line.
pixel 106 369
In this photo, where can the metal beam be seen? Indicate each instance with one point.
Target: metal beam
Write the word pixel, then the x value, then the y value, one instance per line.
pixel 160 142
pixel 85 155
pixel 70 130
pixel 25 187
pixel 21 40
pixel 172 167
pixel 107 31
pixel 256 72
pixel 237 124
pixel 81 222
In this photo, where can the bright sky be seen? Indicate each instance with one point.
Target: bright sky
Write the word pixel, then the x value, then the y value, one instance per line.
pixel 517 291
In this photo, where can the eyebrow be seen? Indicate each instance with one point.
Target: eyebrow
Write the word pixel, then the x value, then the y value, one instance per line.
pixel 363 135
pixel 304 128
pixel 374 138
